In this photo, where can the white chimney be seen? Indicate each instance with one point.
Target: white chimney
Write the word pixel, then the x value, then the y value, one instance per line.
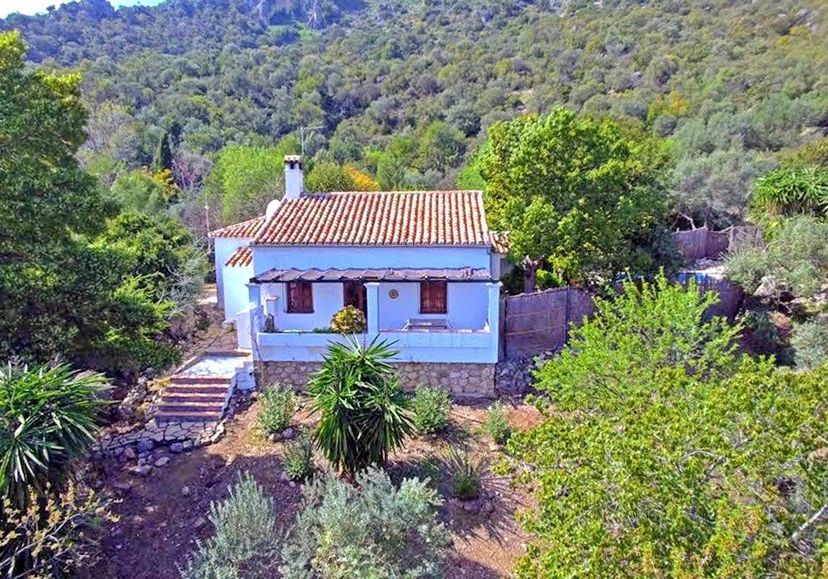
pixel 294 177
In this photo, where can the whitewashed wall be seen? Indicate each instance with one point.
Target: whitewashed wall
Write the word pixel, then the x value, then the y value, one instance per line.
pixel 235 295
pixel 224 247
pixel 265 258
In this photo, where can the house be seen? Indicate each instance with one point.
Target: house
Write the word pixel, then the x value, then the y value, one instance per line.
pixel 421 265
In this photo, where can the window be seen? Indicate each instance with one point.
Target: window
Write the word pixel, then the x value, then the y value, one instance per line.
pixel 433 297
pixel 299 297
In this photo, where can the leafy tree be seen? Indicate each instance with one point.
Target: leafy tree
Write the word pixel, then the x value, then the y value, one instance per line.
pixel 48 417
pixel 362 410
pixel 327 176
pixel 662 453
pixel 163 157
pixel 143 192
pixel 362 181
pixel 50 282
pixel 576 192
pixel 246 178
pixel 441 146
pixel 794 261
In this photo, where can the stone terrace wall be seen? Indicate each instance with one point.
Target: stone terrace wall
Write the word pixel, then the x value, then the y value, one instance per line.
pixel 466 381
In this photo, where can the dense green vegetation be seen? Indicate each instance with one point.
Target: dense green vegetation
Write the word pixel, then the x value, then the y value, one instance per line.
pixel 665 454
pixel 82 277
pixel 407 90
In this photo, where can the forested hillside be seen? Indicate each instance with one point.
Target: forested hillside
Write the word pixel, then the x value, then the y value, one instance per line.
pixel 405 91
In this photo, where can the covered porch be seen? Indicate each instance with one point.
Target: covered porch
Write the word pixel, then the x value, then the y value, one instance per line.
pixel 432 315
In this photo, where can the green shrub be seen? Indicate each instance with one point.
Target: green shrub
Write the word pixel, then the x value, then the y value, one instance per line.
pixel 810 344
pixel 349 320
pixel 664 453
pixel 48 417
pixel 764 335
pixel 246 540
pixel 371 530
pixel 431 407
pixel 363 414
pixel 496 423
pixel 278 404
pixel 465 473
pixel 298 459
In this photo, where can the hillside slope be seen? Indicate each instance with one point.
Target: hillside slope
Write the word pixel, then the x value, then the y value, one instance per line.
pixel 728 83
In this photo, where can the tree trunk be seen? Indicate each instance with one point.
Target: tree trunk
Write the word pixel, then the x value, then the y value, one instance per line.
pixel 530 267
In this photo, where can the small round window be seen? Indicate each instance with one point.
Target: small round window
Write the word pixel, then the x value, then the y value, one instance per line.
pixel 393 294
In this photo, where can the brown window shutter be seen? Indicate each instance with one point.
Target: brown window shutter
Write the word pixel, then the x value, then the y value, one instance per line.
pixel 433 297
pixel 300 297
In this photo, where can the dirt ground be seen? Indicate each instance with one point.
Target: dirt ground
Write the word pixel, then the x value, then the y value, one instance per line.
pixel 162 515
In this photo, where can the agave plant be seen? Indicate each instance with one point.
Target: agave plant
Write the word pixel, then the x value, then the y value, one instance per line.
pixel 363 413
pixel 48 416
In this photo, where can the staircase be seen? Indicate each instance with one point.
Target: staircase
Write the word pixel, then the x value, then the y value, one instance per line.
pixel 194 399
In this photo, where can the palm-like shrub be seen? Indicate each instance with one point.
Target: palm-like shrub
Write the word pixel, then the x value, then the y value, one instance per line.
pixel 465 471
pixel 363 414
pixel 48 416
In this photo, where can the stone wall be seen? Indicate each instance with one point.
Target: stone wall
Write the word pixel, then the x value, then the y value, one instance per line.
pixel 463 381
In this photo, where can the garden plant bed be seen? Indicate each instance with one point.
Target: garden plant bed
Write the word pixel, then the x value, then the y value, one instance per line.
pixel 162 515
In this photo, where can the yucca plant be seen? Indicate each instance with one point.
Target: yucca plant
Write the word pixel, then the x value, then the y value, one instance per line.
pixel 48 416
pixel 363 413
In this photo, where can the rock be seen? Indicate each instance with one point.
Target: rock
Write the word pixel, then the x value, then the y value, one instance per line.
pixel 472 506
pixel 199 522
pixel 289 434
pixel 129 453
pixel 163 461
pixel 145 445
pixel 185 490
pixel 122 488
pixel 187 445
pixel 142 470
pixel 176 448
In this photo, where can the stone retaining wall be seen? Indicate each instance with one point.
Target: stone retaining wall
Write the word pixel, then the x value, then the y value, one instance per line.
pixel 466 381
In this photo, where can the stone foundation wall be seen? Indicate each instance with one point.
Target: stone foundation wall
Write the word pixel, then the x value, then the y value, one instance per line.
pixel 462 381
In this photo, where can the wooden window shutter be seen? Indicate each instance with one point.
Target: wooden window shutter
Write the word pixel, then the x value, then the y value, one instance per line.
pixel 433 297
pixel 300 297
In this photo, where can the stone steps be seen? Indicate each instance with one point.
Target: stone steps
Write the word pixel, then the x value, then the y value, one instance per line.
pixel 196 399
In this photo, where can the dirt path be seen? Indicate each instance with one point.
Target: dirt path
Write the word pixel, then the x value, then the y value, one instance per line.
pixel 163 514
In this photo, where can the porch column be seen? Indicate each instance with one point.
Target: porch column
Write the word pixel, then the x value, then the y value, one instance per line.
pixel 372 307
pixel 494 320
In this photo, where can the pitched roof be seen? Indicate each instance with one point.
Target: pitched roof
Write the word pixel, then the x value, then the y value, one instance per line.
pixel 379 218
pixel 382 274
pixel 244 229
pixel 500 241
pixel 242 257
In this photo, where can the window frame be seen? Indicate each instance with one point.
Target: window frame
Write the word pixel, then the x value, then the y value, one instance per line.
pixel 426 287
pixel 300 307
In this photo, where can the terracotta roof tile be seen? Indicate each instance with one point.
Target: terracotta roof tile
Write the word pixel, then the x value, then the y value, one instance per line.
pixel 379 218
pixel 245 229
pixel 500 241
pixel 242 257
